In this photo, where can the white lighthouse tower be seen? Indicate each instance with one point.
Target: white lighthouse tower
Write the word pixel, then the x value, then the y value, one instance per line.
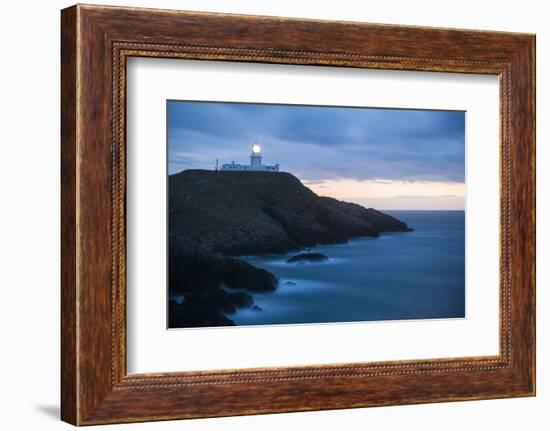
pixel 255 163
pixel 256 157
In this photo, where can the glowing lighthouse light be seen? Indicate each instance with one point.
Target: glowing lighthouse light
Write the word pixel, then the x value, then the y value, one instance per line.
pixel 256 158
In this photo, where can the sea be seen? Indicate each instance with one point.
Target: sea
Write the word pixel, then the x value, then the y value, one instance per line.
pixel 396 276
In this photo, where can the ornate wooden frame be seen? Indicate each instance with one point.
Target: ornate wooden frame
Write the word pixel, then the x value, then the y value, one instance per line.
pixel 95 42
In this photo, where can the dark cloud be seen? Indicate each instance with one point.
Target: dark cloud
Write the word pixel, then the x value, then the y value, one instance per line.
pixel 318 143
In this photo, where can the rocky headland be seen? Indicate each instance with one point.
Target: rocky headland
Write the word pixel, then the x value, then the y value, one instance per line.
pixel 214 217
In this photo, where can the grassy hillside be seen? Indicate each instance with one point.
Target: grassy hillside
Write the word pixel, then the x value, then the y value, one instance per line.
pixel 239 213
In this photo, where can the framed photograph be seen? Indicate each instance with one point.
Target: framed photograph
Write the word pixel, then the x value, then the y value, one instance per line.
pixel 264 214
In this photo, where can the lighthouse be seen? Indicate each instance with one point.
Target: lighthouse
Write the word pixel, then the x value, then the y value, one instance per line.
pixel 256 157
pixel 255 163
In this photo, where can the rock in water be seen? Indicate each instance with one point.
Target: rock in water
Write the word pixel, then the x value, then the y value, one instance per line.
pixel 307 257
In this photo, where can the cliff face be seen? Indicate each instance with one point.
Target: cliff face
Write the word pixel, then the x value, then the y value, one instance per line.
pixel 215 216
pixel 240 213
pixel 202 277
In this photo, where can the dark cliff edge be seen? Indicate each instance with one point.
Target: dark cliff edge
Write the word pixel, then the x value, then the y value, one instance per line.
pixel 215 216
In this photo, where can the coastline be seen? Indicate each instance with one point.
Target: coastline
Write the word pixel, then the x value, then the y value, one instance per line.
pixel 396 291
pixel 216 217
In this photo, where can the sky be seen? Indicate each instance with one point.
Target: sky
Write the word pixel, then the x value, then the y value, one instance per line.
pixel 394 159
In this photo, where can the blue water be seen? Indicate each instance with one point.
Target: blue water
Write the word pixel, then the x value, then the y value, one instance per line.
pixel 409 275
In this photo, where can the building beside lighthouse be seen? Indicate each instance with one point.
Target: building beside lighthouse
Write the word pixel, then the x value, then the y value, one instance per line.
pixel 255 163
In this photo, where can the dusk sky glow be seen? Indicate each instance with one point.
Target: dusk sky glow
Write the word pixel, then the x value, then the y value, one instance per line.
pixel 381 158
